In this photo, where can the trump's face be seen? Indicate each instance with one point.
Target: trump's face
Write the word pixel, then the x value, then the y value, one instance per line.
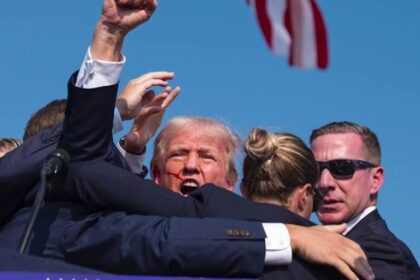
pixel 192 159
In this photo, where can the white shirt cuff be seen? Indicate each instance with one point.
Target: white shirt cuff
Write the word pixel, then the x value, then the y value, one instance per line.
pixel 134 161
pixel 95 73
pixel 277 244
pixel 117 125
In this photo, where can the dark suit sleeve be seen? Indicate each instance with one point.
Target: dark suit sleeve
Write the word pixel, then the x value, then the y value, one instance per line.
pixel 101 185
pixel 133 244
pixel 20 169
pixel 87 128
pixel 389 257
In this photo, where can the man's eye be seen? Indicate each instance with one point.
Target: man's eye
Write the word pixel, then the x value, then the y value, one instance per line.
pixel 176 154
pixel 207 156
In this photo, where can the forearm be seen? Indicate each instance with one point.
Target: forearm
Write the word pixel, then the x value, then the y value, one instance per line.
pixel 87 128
pixel 133 244
pixel 107 41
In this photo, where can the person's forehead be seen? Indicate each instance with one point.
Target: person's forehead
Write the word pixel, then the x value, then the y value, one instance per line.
pixel 197 140
pixel 338 145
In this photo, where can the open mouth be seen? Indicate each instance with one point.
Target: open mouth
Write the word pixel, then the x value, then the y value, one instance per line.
pixel 188 186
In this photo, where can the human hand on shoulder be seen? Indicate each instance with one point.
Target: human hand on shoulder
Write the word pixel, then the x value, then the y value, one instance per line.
pixel 325 245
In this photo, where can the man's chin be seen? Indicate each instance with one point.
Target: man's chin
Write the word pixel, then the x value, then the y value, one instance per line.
pixel 329 217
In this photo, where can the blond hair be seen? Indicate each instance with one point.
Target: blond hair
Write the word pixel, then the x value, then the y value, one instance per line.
pixel 276 164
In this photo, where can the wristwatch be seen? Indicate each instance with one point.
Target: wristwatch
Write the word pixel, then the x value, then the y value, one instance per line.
pixel 122 144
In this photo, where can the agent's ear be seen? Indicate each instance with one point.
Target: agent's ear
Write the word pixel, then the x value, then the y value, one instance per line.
pixel 377 179
pixel 303 195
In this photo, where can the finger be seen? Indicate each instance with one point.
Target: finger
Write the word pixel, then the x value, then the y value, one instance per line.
pixel 171 97
pixel 363 269
pixel 165 98
pixel 158 99
pixel 164 75
pixel 142 117
pixel 344 269
pixel 358 266
pixel 148 97
pixel 147 112
pixel 357 261
pixel 153 82
pixel 336 228
pixel 134 3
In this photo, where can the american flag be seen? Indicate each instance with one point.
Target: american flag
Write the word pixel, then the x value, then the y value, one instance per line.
pixel 294 28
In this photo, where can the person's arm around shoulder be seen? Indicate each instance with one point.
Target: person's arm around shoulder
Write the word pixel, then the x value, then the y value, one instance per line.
pixel 325 245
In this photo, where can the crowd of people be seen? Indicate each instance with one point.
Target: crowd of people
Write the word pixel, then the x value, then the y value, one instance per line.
pixel 186 220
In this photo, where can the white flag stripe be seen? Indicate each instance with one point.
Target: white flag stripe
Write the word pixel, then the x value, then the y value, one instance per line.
pixel 304 43
pixel 294 28
pixel 280 36
pixel 309 55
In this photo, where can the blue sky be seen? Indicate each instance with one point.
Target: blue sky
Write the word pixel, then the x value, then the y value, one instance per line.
pixel 227 72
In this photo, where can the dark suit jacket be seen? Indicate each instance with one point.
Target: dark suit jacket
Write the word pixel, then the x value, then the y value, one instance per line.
pixel 389 257
pixel 119 242
pixel 135 244
pixel 19 169
pixel 10 260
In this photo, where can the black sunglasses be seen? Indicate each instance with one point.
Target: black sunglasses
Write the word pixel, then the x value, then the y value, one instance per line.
pixel 344 168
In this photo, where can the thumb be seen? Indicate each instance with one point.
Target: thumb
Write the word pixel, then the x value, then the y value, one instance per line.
pixel 336 228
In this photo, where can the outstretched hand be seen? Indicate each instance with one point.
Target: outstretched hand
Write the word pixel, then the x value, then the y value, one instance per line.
pixel 148 108
pixel 135 95
pixel 325 245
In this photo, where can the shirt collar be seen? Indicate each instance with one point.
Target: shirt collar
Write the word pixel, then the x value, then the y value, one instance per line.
pixel 353 222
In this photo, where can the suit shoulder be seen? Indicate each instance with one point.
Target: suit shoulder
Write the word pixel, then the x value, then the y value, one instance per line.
pixel 387 254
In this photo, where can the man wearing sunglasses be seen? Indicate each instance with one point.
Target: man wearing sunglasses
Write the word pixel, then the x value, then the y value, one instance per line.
pixel 349 158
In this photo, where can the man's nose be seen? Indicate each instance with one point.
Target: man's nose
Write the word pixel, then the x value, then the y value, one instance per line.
pixel 191 163
pixel 326 181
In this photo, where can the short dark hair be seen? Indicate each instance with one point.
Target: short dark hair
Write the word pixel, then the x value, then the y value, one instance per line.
pixel 48 116
pixel 372 148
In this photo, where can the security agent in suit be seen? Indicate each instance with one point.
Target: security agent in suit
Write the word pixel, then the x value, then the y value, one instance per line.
pixel 71 100
pixel 349 156
pixel 26 163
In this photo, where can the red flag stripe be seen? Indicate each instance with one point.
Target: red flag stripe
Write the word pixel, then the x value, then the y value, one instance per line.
pixel 263 19
pixel 294 28
pixel 321 37
pixel 288 23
